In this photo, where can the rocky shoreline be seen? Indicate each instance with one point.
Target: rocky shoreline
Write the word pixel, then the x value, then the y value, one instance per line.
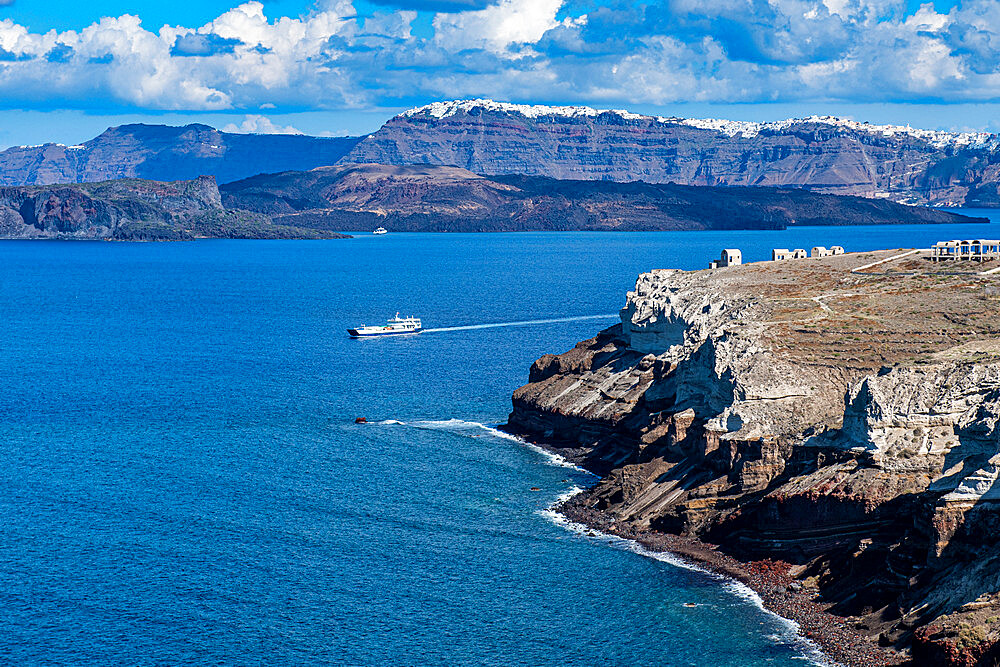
pixel 826 431
pixel 768 578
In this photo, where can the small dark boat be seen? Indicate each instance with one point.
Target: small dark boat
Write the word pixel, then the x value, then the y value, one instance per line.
pixel 360 420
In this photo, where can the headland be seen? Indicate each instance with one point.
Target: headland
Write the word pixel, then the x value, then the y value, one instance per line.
pixel 822 429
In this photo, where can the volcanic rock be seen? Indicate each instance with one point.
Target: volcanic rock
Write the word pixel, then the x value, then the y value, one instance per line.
pixel 428 198
pixel 133 209
pixel 844 422
pixel 166 153
pixel 821 153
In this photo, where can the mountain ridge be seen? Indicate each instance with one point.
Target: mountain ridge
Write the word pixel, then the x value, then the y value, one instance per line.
pixel 822 153
pixel 729 127
pixel 825 154
pixel 167 153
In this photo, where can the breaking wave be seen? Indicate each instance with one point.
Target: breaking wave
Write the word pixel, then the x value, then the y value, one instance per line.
pixel 473 429
pixel 789 633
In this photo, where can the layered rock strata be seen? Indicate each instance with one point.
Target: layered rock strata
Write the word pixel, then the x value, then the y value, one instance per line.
pixel 823 153
pixel 844 422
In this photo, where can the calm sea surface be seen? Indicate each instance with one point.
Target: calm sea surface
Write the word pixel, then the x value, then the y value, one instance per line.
pixel 181 480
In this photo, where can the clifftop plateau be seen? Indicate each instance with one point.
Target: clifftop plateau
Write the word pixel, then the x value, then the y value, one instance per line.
pixel 731 128
pixel 836 428
pixel 354 197
pixel 821 153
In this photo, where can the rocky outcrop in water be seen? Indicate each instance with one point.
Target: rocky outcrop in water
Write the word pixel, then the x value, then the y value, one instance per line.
pixel 428 198
pixel 167 153
pixel 844 423
pixel 820 153
pixel 133 209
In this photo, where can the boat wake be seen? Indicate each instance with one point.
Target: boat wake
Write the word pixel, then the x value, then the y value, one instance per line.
pixel 789 634
pixel 522 323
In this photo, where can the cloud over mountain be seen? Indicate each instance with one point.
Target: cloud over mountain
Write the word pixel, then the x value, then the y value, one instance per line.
pixel 257 124
pixel 609 51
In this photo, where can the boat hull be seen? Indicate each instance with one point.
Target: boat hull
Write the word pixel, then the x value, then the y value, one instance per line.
pixel 354 333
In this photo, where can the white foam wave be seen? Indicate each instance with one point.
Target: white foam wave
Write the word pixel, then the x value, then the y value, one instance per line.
pixel 789 629
pixel 476 429
pixel 552 458
pixel 560 519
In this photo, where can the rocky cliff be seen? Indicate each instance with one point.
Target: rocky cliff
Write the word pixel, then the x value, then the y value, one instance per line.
pixel 822 153
pixel 132 209
pixel 842 425
pixel 166 153
pixel 435 198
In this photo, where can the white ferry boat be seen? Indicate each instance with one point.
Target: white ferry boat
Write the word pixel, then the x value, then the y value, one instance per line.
pixel 395 326
pixel 380 230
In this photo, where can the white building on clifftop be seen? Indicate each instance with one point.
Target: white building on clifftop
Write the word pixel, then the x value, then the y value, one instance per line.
pixel 979 250
pixel 780 254
pixel 729 257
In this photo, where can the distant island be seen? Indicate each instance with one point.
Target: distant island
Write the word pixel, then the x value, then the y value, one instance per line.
pixel 168 153
pixel 484 166
pixel 320 203
pixel 424 198
pixel 819 153
pixel 134 210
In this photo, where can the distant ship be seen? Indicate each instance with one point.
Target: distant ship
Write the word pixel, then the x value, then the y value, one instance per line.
pixel 396 325
pixel 381 230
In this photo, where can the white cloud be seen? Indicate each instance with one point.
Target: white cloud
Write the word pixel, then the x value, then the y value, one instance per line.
pixel 497 26
pixel 521 50
pixel 255 124
pixel 117 58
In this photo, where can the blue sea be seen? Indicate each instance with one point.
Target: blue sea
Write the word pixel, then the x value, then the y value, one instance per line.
pixel 182 480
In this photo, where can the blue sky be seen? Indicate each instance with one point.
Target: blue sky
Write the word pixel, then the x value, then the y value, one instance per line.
pixel 70 69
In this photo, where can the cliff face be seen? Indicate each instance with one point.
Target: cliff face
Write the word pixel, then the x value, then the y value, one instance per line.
pixel 166 153
pixel 820 153
pixel 132 209
pixel 568 143
pixel 846 423
pixel 435 198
